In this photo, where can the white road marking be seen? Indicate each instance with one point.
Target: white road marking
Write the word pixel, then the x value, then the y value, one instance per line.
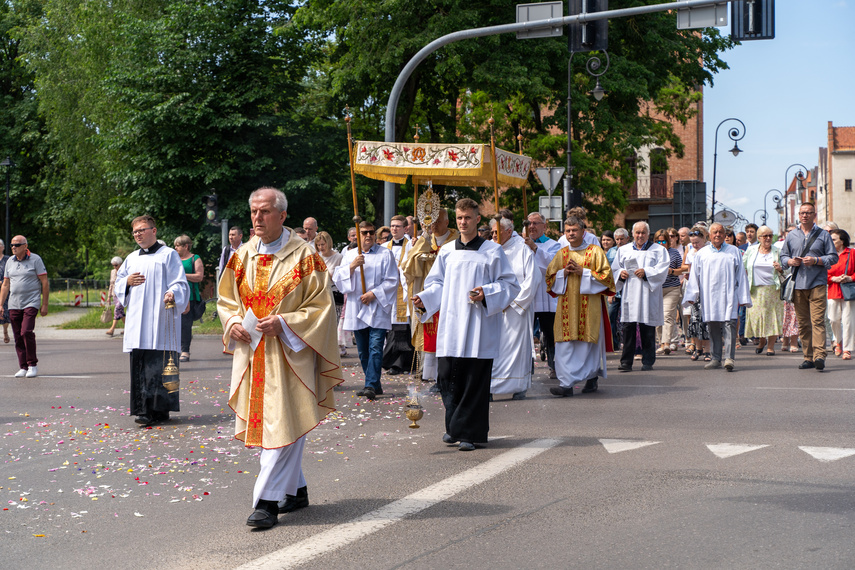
pixel 618 445
pixel 346 533
pixel 827 454
pixel 725 450
pixel 636 386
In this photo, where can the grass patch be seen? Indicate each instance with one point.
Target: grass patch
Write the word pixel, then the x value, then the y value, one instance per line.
pixel 208 326
pixel 90 320
pixel 52 309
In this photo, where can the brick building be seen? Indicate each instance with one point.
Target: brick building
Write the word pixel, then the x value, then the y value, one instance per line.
pixel 836 173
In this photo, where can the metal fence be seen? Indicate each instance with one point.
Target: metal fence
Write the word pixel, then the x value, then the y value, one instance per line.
pixel 79 292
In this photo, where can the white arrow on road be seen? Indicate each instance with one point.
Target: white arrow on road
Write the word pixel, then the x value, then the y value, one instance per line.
pixel 725 450
pixel 618 445
pixel 826 454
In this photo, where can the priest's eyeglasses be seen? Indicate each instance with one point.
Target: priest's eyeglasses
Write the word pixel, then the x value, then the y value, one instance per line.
pixel 141 231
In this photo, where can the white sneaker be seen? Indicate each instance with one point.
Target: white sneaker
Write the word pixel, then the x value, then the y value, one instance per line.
pixel 21 373
pixel 33 372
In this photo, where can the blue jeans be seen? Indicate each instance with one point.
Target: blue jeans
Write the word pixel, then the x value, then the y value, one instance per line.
pixel 369 345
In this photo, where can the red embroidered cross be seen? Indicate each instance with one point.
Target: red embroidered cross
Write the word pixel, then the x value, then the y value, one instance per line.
pixel 254 420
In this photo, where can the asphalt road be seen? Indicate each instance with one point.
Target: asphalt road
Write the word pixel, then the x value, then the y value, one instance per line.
pixel 637 475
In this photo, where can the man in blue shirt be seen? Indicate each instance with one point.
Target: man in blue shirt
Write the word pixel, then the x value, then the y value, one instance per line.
pixel 810 297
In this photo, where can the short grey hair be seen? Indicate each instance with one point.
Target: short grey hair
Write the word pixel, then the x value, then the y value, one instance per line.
pixel 539 215
pixel 621 232
pixel 280 202
pixel 829 225
pixel 504 222
pixel 645 224
pixel 116 261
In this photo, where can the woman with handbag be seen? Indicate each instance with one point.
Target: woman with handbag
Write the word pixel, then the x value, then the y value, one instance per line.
pixel 763 265
pixel 841 292
pixel 195 270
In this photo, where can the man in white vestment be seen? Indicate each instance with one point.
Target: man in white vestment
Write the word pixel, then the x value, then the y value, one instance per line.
pixel 470 284
pixel 149 278
pixel 512 367
pixel 641 268
pixel 719 280
pixel 418 264
pixel 398 352
pixel 368 277
pixel 581 278
pixel 278 316
pixel 544 304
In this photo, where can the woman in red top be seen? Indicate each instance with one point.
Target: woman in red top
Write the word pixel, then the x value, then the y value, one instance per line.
pixel 841 312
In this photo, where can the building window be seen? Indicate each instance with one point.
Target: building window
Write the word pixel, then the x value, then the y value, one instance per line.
pixel 847 185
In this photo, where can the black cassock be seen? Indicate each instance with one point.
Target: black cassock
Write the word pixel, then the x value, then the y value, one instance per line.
pixel 147 392
pixel 464 384
pixel 398 352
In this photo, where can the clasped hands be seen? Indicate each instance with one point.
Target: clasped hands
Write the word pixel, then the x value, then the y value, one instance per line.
pixel 268 326
pixel 638 273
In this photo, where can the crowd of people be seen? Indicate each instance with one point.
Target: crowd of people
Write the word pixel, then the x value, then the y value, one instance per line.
pixel 465 310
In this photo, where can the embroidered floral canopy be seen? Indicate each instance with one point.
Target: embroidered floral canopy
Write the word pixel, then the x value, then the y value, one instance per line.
pixel 452 164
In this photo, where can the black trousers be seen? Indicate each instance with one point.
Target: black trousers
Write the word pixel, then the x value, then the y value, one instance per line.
pixel 147 391
pixel 464 384
pixel 614 321
pixel 547 327
pixel 648 344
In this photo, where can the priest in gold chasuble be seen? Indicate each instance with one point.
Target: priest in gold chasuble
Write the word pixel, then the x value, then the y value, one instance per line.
pixel 276 306
pixel 580 276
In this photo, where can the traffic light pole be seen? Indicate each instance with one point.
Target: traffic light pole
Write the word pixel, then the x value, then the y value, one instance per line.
pixel 403 77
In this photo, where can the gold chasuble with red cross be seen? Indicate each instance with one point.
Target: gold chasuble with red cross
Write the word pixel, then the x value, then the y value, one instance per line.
pixel 578 316
pixel 279 395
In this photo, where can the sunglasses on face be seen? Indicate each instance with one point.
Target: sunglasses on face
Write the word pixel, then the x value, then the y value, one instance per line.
pixel 695 233
pixel 367 232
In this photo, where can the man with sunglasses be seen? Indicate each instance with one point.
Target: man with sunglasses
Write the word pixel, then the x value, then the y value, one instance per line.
pixel 368 309
pixel 25 283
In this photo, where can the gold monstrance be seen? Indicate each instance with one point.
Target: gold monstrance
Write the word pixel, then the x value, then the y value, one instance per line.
pixel 170 369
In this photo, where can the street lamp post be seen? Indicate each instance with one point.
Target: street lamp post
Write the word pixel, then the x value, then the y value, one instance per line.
pixel 777 199
pixel 593 67
pixel 800 175
pixel 735 135
pixel 7 162
pixel 762 216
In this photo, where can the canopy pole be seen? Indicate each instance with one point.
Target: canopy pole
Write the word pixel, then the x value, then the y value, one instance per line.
pixel 495 173
pixel 356 218
pixel 525 202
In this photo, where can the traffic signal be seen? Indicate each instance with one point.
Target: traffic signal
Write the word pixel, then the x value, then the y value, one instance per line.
pixel 752 20
pixel 211 215
pixel 591 36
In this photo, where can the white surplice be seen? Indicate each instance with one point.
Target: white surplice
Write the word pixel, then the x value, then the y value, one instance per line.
pixel 577 361
pixel 148 324
pixel 641 300
pixel 381 278
pixel 512 368
pixel 543 301
pixel 466 329
pixel 718 278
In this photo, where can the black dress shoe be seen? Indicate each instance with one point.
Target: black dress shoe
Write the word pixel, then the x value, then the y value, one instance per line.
pixel 807 364
pixel 360 392
pixel 144 420
pixel 561 391
pixel 448 439
pixel 265 515
pixel 394 371
pixel 819 363
pixel 623 368
pixel 590 385
pixel 646 367
pixel 369 394
pixel 293 502
pixel 160 416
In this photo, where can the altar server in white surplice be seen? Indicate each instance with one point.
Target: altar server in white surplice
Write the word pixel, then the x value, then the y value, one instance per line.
pixel 544 304
pixel 470 284
pixel 368 313
pixel 719 280
pixel 150 276
pixel 512 368
pixel 640 268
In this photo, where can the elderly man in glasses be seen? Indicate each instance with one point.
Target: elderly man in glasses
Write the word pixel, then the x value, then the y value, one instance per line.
pixel 25 284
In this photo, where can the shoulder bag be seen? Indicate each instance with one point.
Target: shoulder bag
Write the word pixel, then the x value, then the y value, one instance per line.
pixel 788 286
pixel 848 289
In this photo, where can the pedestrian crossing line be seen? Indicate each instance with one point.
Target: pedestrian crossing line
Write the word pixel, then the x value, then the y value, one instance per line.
pixel 827 454
pixel 811 388
pixel 347 533
pixel 618 445
pixel 725 450
pixel 43 376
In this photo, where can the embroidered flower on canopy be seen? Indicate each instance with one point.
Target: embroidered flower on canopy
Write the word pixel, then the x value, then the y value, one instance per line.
pixel 452 155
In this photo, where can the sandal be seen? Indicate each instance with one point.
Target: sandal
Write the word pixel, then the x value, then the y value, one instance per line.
pixel 837 350
pixel 695 354
pixel 707 357
pixel 847 355
pixel 770 353
pixel 690 348
pixel 794 349
pixel 6 338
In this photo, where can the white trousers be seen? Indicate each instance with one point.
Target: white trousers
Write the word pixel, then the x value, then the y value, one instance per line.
pixel 281 473
pixel 430 364
pixel 577 361
pixel 842 317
